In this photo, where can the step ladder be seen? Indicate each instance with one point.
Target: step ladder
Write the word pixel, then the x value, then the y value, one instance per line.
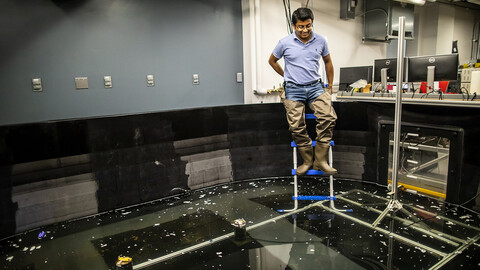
pixel 296 197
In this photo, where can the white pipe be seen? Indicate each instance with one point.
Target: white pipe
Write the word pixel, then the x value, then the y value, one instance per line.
pixel 253 52
pixel 258 46
pixel 332 203
pixel 259 91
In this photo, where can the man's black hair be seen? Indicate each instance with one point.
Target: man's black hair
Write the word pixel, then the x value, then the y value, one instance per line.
pixel 302 14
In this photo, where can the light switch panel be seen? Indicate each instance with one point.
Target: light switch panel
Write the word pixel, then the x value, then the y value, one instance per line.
pixel 150 80
pixel 37 85
pixel 239 77
pixel 107 81
pixel 81 82
pixel 196 79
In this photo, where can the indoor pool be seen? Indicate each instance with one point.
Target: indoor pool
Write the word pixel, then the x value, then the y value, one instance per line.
pixel 193 230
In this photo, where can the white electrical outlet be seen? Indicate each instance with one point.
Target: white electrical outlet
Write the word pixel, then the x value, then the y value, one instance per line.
pixel 467 74
pixel 150 81
pixel 37 85
pixel 107 81
pixel 465 86
pixel 465 77
pixel 196 79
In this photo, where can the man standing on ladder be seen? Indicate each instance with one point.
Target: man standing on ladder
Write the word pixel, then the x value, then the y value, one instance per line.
pixel 303 85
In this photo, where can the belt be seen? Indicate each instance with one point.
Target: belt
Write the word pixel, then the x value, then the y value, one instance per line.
pixel 308 84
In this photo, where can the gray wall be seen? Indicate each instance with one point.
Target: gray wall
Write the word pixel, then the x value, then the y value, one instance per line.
pixel 57 40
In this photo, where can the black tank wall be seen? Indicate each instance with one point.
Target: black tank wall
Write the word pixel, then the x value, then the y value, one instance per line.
pixel 133 159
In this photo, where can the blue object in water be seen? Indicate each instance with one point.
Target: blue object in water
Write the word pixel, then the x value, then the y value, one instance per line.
pixel 314 198
pixel 41 235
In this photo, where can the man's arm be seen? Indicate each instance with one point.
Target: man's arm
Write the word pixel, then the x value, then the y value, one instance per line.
pixel 273 61
pixel 329 69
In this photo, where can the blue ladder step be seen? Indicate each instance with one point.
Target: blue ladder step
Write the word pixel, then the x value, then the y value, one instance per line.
pixel 309 172
pixel 310 116
pixel 293 144
pixel 314 198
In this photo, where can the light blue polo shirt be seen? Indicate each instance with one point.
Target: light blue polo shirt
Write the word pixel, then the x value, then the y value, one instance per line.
pixel 301 59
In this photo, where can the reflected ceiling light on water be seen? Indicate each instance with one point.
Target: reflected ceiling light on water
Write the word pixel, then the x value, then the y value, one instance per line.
pixel 415 2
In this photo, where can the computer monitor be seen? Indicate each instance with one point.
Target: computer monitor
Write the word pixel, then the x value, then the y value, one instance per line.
pixel 433 68
pixel 349 75
pixel 385 70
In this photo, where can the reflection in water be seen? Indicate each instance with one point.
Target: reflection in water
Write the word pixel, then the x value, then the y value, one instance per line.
pixel 195 232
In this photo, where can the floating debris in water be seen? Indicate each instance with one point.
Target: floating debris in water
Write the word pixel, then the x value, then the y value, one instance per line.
pixel 9 259
pixel 421 249
pixel 41 235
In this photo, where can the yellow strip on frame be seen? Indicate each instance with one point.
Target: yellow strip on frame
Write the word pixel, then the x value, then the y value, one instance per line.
pixel 423 190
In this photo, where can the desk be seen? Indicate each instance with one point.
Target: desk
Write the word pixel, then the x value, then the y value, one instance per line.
pixel 455 100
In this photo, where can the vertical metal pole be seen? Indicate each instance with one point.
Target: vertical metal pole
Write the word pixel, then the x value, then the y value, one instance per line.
pixel 398 105
pixel 394 204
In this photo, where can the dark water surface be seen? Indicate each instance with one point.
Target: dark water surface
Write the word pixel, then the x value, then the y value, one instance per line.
pixel 193 231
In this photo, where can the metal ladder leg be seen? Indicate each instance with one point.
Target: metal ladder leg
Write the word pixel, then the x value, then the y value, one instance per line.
pixel 332 203
pixel 295 184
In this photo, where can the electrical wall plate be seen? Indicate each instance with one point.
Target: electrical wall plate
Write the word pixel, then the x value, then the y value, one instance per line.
pixel 107 81
pixel 239 77
pixel 37 85
pixel 196 79
pixel 81 82
pixel 150 81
